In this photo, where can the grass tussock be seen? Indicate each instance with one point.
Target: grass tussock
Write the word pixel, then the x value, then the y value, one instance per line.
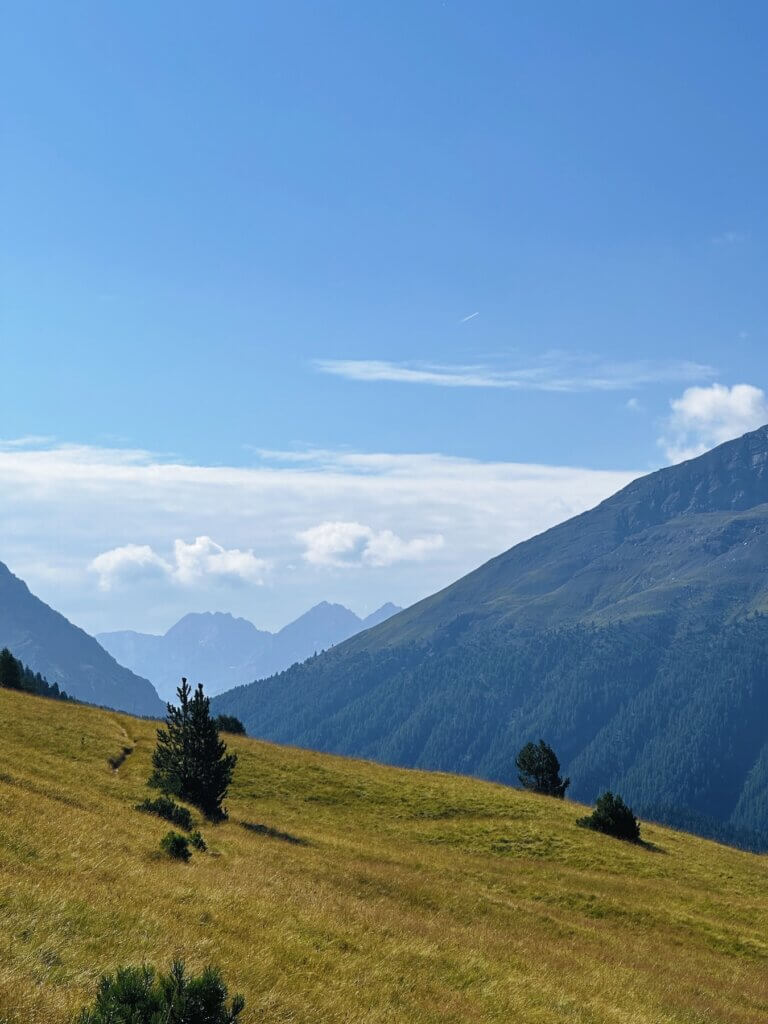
pixel 418 898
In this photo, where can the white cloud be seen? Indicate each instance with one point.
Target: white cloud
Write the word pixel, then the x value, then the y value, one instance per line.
pixel 129 561
pixel 31 441
pixel 103 500
pixel 205 557
pixel 353 544
pixel 556 373
pixel 704 417
pixel 191 564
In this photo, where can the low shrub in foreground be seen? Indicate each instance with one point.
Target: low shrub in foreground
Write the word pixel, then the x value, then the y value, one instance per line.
pixel 138 995
pixel 197 841
pixel 176 845
pixel 168 809
pixel 612 816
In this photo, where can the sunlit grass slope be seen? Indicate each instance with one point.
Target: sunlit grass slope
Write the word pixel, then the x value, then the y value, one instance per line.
pixel 418 897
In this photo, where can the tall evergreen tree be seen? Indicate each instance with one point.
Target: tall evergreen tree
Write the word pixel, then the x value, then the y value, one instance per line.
pixel 190 761
pixel 170 760
pixel 539 770
pixel 10 670
pixel 211 766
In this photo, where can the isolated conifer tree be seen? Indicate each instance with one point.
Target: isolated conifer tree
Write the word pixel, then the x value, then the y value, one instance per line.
pixel 170 761
pixel 190 761
pixel 211 767
pixel 10 670
pixel 539 770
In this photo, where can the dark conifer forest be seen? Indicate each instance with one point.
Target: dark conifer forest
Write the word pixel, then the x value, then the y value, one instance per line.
pixel 16 676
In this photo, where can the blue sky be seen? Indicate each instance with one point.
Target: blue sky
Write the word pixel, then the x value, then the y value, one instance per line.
pixel 510 234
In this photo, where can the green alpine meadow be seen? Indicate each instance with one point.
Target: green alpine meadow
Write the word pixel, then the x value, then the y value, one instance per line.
pixel 342 890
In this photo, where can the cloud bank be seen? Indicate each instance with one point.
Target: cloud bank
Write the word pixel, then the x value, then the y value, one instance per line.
pixel 191 564
pixel 96 531
pixel 353 544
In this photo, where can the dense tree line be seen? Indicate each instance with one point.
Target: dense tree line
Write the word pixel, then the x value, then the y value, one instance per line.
pixel 14 675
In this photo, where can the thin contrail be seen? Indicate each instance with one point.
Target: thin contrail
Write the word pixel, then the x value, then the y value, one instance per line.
pixel 470 317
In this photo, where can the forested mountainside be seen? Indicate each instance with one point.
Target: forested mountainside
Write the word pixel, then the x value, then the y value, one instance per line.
pixel 633 638
pixel 64 654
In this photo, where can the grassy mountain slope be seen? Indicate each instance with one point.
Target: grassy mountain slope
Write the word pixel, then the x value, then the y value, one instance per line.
pixel 419 898
pixel 633 637
pixel 694 534
pixel 50 644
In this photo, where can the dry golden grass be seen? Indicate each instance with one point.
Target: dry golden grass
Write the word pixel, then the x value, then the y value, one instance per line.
pixel 420 898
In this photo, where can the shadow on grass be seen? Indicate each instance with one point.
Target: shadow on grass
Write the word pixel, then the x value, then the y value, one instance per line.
pixel 273 833
pixel 644 843
pixel 650 847
pixel 116 760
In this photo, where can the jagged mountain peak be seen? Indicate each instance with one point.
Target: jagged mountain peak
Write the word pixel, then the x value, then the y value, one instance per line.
pixel 222 650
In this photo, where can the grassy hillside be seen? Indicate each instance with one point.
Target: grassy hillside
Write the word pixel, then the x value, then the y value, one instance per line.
pixel 418 897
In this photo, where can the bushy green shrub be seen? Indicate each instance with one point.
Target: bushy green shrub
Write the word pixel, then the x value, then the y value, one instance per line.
pixel 197 841
pixel 612 816
pixel 168 809
pixel 228 723
pixel 137 995
pixel 176 845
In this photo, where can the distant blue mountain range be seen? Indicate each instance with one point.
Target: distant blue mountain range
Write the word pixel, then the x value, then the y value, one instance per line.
pixel 221 651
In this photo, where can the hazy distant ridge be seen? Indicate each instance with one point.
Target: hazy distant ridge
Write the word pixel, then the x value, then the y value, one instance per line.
pixel 221 651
